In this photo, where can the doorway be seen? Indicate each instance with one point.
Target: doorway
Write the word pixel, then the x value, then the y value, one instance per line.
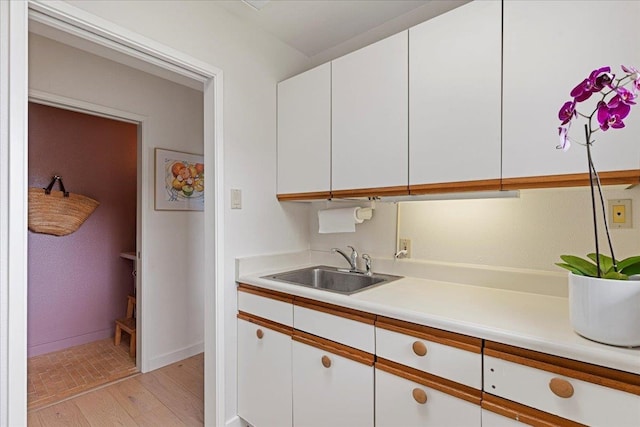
pixel 13 193
pixel 81 282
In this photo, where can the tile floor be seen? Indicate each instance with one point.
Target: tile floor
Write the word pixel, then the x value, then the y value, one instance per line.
pixel 55 376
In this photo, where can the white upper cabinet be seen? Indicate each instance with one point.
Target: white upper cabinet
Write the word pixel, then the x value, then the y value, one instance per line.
pixel 304 132
pixel 550 47
pixel 454 96
pixel 369 116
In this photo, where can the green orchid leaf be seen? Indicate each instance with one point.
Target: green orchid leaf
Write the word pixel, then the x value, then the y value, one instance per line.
pixel 632 269
pixel 585 267
pixel 606 263
pixel 570 268
pixel 627 262
pixel 615 275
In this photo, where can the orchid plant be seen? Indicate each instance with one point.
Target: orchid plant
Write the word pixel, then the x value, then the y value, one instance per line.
pixel 610 111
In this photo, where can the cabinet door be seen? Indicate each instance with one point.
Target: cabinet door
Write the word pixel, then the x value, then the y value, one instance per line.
pixel 264 376
pixel 550 47
pixel 491 419
pixel 398 404
pixel 369 116
pixel 455 82
pixel 304 132
pixel 340 395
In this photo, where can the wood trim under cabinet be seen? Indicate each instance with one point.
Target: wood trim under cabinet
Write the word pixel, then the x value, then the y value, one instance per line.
pixel 607 377
pixel 334 347
pixel 266 293
pixel 524 414
pixel 318 195
pixel 401 190
pixel 455 187
pixel 463 342
pixel 336 310
pixel 571 180
pixel 443 385
pixel 269 324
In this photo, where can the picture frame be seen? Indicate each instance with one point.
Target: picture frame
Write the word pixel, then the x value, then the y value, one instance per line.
pixel 179 181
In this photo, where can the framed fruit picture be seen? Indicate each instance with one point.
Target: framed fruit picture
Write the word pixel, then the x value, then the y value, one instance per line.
pixel 179 181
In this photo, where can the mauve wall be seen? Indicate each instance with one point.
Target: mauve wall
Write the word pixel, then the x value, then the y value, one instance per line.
pixel 78 283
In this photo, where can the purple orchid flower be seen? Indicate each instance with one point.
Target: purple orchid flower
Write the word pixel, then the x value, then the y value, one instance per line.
pixel 623 95
pixel 635 75
pixel 563 132
pixel 596 81
pixel 612 114
pixel 567 112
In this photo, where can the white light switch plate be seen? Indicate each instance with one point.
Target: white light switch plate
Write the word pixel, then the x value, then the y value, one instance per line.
pixel 236 198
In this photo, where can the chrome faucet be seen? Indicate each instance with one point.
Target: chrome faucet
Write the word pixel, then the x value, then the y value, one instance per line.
pixel 352 259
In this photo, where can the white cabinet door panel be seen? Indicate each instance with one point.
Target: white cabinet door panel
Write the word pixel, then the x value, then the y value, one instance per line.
pixel 369 116
pixel 304 132
pixel 338 396
pixel 550 47
pixel 264 376
pixel 455 82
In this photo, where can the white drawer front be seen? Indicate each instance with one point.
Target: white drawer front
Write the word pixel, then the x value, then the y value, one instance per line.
pixel 396 406
pixel 267 308
pixel 448 362
pixel 590 404
pixel 335 328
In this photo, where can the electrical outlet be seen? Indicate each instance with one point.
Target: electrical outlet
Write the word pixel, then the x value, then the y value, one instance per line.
pixel 620 213
pixel 405 244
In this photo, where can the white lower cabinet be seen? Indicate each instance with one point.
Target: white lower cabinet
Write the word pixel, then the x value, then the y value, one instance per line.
pixel 401 402
pixel 264 375
pixel 491 419
pixel 330 390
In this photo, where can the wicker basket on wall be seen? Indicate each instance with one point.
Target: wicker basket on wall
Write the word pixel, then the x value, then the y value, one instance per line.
pixel 58 212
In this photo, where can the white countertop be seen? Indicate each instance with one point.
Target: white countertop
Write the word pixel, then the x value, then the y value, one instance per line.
pixel 528 320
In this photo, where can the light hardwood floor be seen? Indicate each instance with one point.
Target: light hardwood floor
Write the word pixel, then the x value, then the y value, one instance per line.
pixel 170 396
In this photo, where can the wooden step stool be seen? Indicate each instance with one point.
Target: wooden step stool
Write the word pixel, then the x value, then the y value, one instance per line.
pixel 128 325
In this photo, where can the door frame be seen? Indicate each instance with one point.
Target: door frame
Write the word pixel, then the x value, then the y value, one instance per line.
pixel 14 18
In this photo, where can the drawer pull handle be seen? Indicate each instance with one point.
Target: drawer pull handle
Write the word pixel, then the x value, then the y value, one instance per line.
pixel 420 396
pixel 259 334
pixel 419 348
pixel 326 362
pixel 561 388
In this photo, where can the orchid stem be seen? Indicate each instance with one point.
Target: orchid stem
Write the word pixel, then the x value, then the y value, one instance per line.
pixel 593 198
pixel 604 213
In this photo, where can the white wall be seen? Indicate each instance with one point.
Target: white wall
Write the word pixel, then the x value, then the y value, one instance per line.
pixel 528 232
pixel 173 242
pixel 252 62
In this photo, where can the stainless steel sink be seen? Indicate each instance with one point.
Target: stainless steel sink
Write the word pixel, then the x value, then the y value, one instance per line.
pixel 332 279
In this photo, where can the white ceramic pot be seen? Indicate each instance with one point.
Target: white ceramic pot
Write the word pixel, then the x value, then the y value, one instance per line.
pixel 607 311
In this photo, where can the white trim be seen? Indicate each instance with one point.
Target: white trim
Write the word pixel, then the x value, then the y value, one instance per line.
pixel 79 106
pixel 65 17
pixel 234 422
pixel 168 358
pixel 13 212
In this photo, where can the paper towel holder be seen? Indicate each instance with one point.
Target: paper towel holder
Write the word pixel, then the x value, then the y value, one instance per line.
pixel 363 214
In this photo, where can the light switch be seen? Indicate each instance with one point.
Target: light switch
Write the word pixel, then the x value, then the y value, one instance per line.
pixel 236 198
pixel 620 213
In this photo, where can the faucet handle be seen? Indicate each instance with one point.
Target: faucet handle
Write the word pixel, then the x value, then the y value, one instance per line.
pixel 367 260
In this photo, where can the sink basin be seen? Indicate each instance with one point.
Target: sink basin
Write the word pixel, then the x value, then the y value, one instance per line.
pixel 332 279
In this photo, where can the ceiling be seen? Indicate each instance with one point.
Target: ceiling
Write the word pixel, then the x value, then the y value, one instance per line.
pixel 336 27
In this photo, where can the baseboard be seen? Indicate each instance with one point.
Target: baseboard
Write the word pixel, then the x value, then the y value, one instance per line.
pixel 235 422
pixel 172 357
pixel 65 343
